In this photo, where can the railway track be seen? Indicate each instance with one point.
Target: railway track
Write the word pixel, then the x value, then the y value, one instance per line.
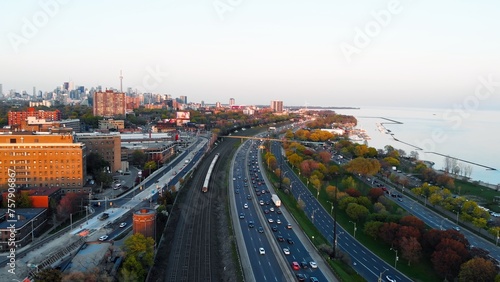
pixel 193 252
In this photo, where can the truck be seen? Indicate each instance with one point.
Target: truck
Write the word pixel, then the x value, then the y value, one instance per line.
pixel 276 200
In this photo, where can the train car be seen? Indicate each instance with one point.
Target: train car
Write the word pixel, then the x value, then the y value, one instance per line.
pixel 209 174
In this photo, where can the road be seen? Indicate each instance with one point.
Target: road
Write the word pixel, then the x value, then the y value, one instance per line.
pixel 367 264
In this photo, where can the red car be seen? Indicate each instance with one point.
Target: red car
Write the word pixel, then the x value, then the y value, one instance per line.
pixel 295 265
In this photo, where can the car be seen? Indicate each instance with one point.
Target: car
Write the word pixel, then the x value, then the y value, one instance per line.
pixel 234 178
pixel 390 278
pixel 263 191
pixel 271 209
pixel 261 230
pixel 304 265
pixel 280 238
pixel 399 199
pixel 245 206
pixel 123 224
pixel 103 238
pixel 266 211
pixel 268 203
pixel 275 228
pixel 456 228
pixel 286 251
pixel 237 191
pixel 301 277
pixel 313 279
pixel 242 215
pixel 278 221
pixel 289 226
pixel 258 193
pixel 251 224
pixel 262 251
pixel 295 265
pixel 270 220
pixel 313 264
pixel 290 241
pixel 249 197
pixel 261 202
pixel 278 211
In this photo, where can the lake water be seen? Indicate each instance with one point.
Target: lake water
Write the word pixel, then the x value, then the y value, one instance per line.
pixel 470 136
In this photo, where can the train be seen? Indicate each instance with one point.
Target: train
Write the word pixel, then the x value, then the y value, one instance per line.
pixel 209 174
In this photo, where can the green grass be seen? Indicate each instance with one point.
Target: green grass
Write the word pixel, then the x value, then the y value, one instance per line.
pixel 422 271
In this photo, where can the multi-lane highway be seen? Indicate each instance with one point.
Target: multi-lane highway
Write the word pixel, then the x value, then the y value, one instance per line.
pixel 264 225
pixel 367 264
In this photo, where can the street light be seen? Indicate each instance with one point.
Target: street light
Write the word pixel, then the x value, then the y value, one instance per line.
pixel 498 230
pixel 396 260
pixel 312 216
pixel 380 276
pixel 354 228
pixel 331 210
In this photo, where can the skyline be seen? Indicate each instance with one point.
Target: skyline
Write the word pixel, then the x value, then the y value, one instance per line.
pixel 373 53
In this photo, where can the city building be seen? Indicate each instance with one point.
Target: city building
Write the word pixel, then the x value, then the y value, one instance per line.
pixel 28 223
pixel 157 149
pixel 116 124
pixel 106 145
pixel 49 159
pixel 231 102
pixel 277 106
pixel 44 125
pixel 144 222
pixel 16 118
pixel 109 103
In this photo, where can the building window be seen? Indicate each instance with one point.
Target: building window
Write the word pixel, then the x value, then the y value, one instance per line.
pixel 12 140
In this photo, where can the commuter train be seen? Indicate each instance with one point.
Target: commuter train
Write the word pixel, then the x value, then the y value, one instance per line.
pixel 209 174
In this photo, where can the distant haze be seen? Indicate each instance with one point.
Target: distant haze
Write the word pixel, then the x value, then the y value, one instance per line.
pixel 324 52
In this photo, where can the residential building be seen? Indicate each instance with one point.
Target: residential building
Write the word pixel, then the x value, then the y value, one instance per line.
pixel 277 106
pixel 106 145
pixel 16 118
pixel 109 103
pixel 42 159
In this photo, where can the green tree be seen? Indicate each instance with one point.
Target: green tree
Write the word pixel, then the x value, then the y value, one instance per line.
pixel 363 166
pixel 151 165
pixel 23 200
pixel 477 269
pixel 139 158
pixel 372 228
pixel 139 255
pixel 356 212
pixel 95 163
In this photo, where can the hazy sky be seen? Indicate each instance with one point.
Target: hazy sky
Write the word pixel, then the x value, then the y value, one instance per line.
pixel 322 52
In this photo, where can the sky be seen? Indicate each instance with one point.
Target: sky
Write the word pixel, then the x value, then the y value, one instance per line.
pixel 322 52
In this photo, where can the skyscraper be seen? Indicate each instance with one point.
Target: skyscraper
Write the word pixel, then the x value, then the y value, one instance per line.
pixel 231 102
pixel 1 89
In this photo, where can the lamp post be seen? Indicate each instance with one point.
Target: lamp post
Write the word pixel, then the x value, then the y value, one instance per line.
pixel 354 228
pixel 380 276
pixel 397 258
pixel 331 210
pixel 498 230
pixel 70 221
pixel 312 216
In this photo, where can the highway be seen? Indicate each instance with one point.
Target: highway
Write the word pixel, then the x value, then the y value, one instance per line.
pixel 367 264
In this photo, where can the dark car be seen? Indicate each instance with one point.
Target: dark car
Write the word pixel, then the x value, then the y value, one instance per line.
pixel 261 230
pixel 275 228
pixel 290 241
pixel 304 264
pixel 301 277
pixel 280 238
pixel 278 211
pixel 251 224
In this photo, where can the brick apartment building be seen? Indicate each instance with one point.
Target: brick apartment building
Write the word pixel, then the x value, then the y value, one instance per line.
pixel 17 118
pixel 109 103
pixel 106 145
pixel 38 160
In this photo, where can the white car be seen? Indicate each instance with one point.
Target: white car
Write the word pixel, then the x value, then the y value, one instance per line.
pixel 245 206
pixel 313 264
pixel 262 251
pixel 286 251
pixel 270 220
pixel 103 238
pixel 278 221
pixel 123 224
pixel 261 202
pixel 271 209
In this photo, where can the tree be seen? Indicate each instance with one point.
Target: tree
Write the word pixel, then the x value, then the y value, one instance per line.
pixel 325 157
pixel 23 200
pixel 139 158
pixel 372 228
pixel 410 249
pixel 391 161
pixel 69 204
pixel 388 231
pixel 413 221
pixel 356 212
pixel 353 192
pixel 151 165
pixel 139 254
pixel 348 182
pixel 363 166
pixel 95 162
pixel 48 275
pixel 375 193
pixel 477 269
